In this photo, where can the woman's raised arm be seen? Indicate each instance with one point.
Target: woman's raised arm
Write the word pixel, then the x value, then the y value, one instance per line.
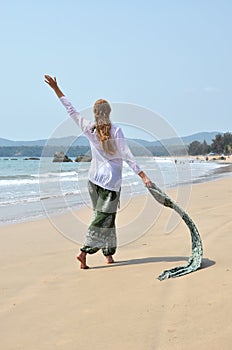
pixel 83 123
pixel 53 84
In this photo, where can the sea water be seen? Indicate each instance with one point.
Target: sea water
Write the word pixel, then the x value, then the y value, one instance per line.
pixel 30 189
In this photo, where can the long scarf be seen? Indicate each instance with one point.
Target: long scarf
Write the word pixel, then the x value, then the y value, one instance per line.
pixel 194 261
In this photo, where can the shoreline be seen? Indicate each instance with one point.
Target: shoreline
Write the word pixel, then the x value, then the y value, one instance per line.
pixel 46 299
pixel 225 170
pixel 217 174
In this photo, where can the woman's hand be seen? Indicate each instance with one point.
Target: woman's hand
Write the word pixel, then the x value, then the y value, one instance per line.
pixel 147 182
pixel 53 84
pixel 51 81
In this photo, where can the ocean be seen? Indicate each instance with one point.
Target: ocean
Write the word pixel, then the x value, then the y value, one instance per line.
pixel 33 189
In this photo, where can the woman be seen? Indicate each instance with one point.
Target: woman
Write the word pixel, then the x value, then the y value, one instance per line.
pixel 109 149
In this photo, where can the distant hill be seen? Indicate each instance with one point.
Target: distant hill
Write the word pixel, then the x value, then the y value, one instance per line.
pixel 200 136
pixel 63 141
pixel 82 141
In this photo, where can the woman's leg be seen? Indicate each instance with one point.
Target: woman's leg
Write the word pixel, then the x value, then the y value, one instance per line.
pixel 82 258
pixel 89 249
pixel 108 204
pixel 102 232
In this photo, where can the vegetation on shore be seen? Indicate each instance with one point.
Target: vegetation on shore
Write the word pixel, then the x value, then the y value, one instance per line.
pixel 221 144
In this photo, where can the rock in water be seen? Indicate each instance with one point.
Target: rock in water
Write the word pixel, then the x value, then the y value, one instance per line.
pixel 83 159
pixel 61 157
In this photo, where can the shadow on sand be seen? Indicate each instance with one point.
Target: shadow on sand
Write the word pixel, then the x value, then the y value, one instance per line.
pixel 205 261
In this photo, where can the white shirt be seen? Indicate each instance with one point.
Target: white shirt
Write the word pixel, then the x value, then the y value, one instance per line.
pixel 105 170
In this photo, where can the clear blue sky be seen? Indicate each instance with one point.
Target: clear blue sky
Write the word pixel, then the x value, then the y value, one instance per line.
pixel 171 56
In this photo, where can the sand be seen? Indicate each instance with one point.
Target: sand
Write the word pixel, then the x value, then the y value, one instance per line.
pixel 47 302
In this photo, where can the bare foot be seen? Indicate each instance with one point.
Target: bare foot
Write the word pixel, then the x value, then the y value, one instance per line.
pixel 82 258
pixel 109 259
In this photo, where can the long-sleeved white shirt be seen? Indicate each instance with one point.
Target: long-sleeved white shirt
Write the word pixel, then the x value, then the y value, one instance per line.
pixel 105 170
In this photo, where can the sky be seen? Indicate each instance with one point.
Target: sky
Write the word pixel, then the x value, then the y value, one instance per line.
pixel 173 57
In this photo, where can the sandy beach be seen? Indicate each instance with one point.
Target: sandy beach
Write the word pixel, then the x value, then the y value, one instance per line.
pixel 47 302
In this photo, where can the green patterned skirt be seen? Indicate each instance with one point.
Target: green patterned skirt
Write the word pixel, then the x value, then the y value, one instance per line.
pixel 102 232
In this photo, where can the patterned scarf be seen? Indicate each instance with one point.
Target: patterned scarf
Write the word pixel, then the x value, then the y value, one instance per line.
pixel 194 262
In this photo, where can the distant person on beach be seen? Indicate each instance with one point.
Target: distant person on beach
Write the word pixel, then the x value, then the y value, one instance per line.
pixel 109 148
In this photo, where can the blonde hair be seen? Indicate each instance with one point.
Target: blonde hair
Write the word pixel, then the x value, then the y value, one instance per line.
pixel 102 111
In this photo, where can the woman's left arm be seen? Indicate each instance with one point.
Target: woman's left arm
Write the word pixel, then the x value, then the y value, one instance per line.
pixel 130 159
